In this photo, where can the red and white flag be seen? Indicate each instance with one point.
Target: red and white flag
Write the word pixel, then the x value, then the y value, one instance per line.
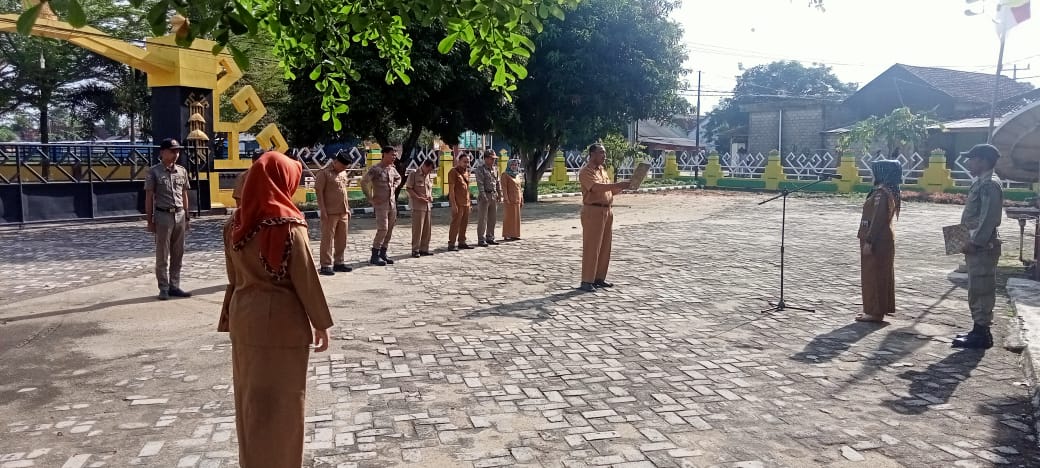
pixel 1010 13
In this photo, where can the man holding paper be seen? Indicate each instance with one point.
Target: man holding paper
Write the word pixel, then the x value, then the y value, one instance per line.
pixel 597 221
pixel 981 216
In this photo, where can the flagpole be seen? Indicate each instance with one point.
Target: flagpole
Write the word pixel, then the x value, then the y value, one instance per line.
pixel 996 88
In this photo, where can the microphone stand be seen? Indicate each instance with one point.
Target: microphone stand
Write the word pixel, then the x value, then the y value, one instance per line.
pixel 781 305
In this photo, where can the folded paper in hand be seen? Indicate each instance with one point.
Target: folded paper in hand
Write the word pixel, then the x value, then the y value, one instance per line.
pixel 956 237
pixel 638 175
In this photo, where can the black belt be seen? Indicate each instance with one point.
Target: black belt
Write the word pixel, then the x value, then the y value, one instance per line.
pixel 169 210
pixel 601 205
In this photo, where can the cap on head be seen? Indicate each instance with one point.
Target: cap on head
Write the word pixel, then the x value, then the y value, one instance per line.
pixel 169 143
pixel 983 150
pixel 490 154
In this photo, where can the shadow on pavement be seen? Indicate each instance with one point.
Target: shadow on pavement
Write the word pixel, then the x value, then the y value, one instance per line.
pixel 534 310
pixel 25 366
pixel 99 306
pixel 936 383
pixel 829 345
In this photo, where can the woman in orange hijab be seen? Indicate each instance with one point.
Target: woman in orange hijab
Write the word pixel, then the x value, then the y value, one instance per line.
pixel 274 309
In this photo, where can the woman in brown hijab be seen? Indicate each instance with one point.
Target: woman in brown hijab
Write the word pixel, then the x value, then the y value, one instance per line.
pixel 877 242
pixel 274 309
pixel 513 201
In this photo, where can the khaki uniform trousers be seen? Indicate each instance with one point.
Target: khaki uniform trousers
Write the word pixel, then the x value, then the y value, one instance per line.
pixel 386 218
pixel 334 229
pixel 982 284
pixel 459 221
pixel 487 217
pixel 422 223
pixel 169 248
pixel 597 225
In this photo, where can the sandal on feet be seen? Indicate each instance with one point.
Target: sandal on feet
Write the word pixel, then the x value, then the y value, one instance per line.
pixel 869 318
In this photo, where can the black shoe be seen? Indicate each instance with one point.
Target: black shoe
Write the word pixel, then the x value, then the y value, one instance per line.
pixel 492 242
pixel 342 267
pixel 587 287
pixel 452 248
pixel 974 329
pixel 375 260
pixel 178 292
pixel 975 340
pixel 416 254
pixel 602 284
pixel 326 271
pixel 465 246
pixel 482 244
pixel 163 295
pixel 425 253
pixel 382 255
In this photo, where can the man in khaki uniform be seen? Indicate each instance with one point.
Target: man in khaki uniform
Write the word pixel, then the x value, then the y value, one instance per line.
pixel 380 185
pixel 982 214
pixel 420 200
pixel 166 208
pixel 597 221
pixel 489 194
pixel 459 199
pixel 330 186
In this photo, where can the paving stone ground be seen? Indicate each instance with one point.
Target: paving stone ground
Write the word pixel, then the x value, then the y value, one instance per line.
pixel 490 357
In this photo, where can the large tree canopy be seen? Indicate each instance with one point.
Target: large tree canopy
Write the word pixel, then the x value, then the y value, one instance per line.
pixel 776 80
pixel 608 63
pixel 494 29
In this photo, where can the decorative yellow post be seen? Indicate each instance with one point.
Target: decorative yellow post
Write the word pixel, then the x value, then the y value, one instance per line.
pixel 774 172
pixel 713 170
pixel 936 178
pixel 503 161
pixel 610 173
pixel 849 173
pixel 375 155
pixel 447 161
pixel 559 171
pixel 671 165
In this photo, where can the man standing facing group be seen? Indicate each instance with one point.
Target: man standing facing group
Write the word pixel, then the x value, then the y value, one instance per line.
pixel 166 209
pixel 489 194
pixel 597 221
pixel 330 186
pixel 380 186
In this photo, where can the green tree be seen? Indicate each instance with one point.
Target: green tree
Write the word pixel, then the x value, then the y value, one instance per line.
pixel 608 63
pixel 901 130
pixel 494 29
pixel 772 81
pixel 619 150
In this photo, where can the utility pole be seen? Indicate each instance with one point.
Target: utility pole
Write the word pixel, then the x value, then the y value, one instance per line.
pixel 698 110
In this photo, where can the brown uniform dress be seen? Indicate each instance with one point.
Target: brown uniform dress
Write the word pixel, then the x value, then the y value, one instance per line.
pixel 331 189
pixel 170 216
pixel 270 322
pixel 422 222
pixel 877 270
pixel 459 198
pixel 597 223
pixel 512 201
pixel 382 182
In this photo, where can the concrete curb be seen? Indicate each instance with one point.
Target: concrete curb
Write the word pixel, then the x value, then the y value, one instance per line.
pixel 1024 297
pixel 369 210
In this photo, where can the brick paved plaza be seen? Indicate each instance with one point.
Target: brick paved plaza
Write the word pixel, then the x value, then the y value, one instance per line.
pixel 490 357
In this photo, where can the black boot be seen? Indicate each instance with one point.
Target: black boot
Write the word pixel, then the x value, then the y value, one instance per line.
pixel 979 338
pixel 375 260
pixel 382 255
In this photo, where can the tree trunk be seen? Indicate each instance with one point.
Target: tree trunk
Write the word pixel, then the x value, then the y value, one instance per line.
pixel 45 123
pixel 533 171
pixel 407 147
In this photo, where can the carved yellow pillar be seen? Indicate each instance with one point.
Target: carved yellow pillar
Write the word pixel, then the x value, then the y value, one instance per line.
pixel 713 170
pixel 849 173
pixel 503 161
pixel 671 165
pixel 447 161
pixel 936 178
pixel 774 171
pixel 559 171
pixel 375 155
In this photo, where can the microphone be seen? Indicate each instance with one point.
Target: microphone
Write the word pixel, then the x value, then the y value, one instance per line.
pixel 829 176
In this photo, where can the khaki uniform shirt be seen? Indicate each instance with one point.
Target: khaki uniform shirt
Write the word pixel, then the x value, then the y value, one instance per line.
pixel 590 176
pixel 422 185
pixel 458 187
pixel 168 185
pixel 381 182
pixel 331 189
pixel 983 210
pixel 512 191
pixel 488 187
